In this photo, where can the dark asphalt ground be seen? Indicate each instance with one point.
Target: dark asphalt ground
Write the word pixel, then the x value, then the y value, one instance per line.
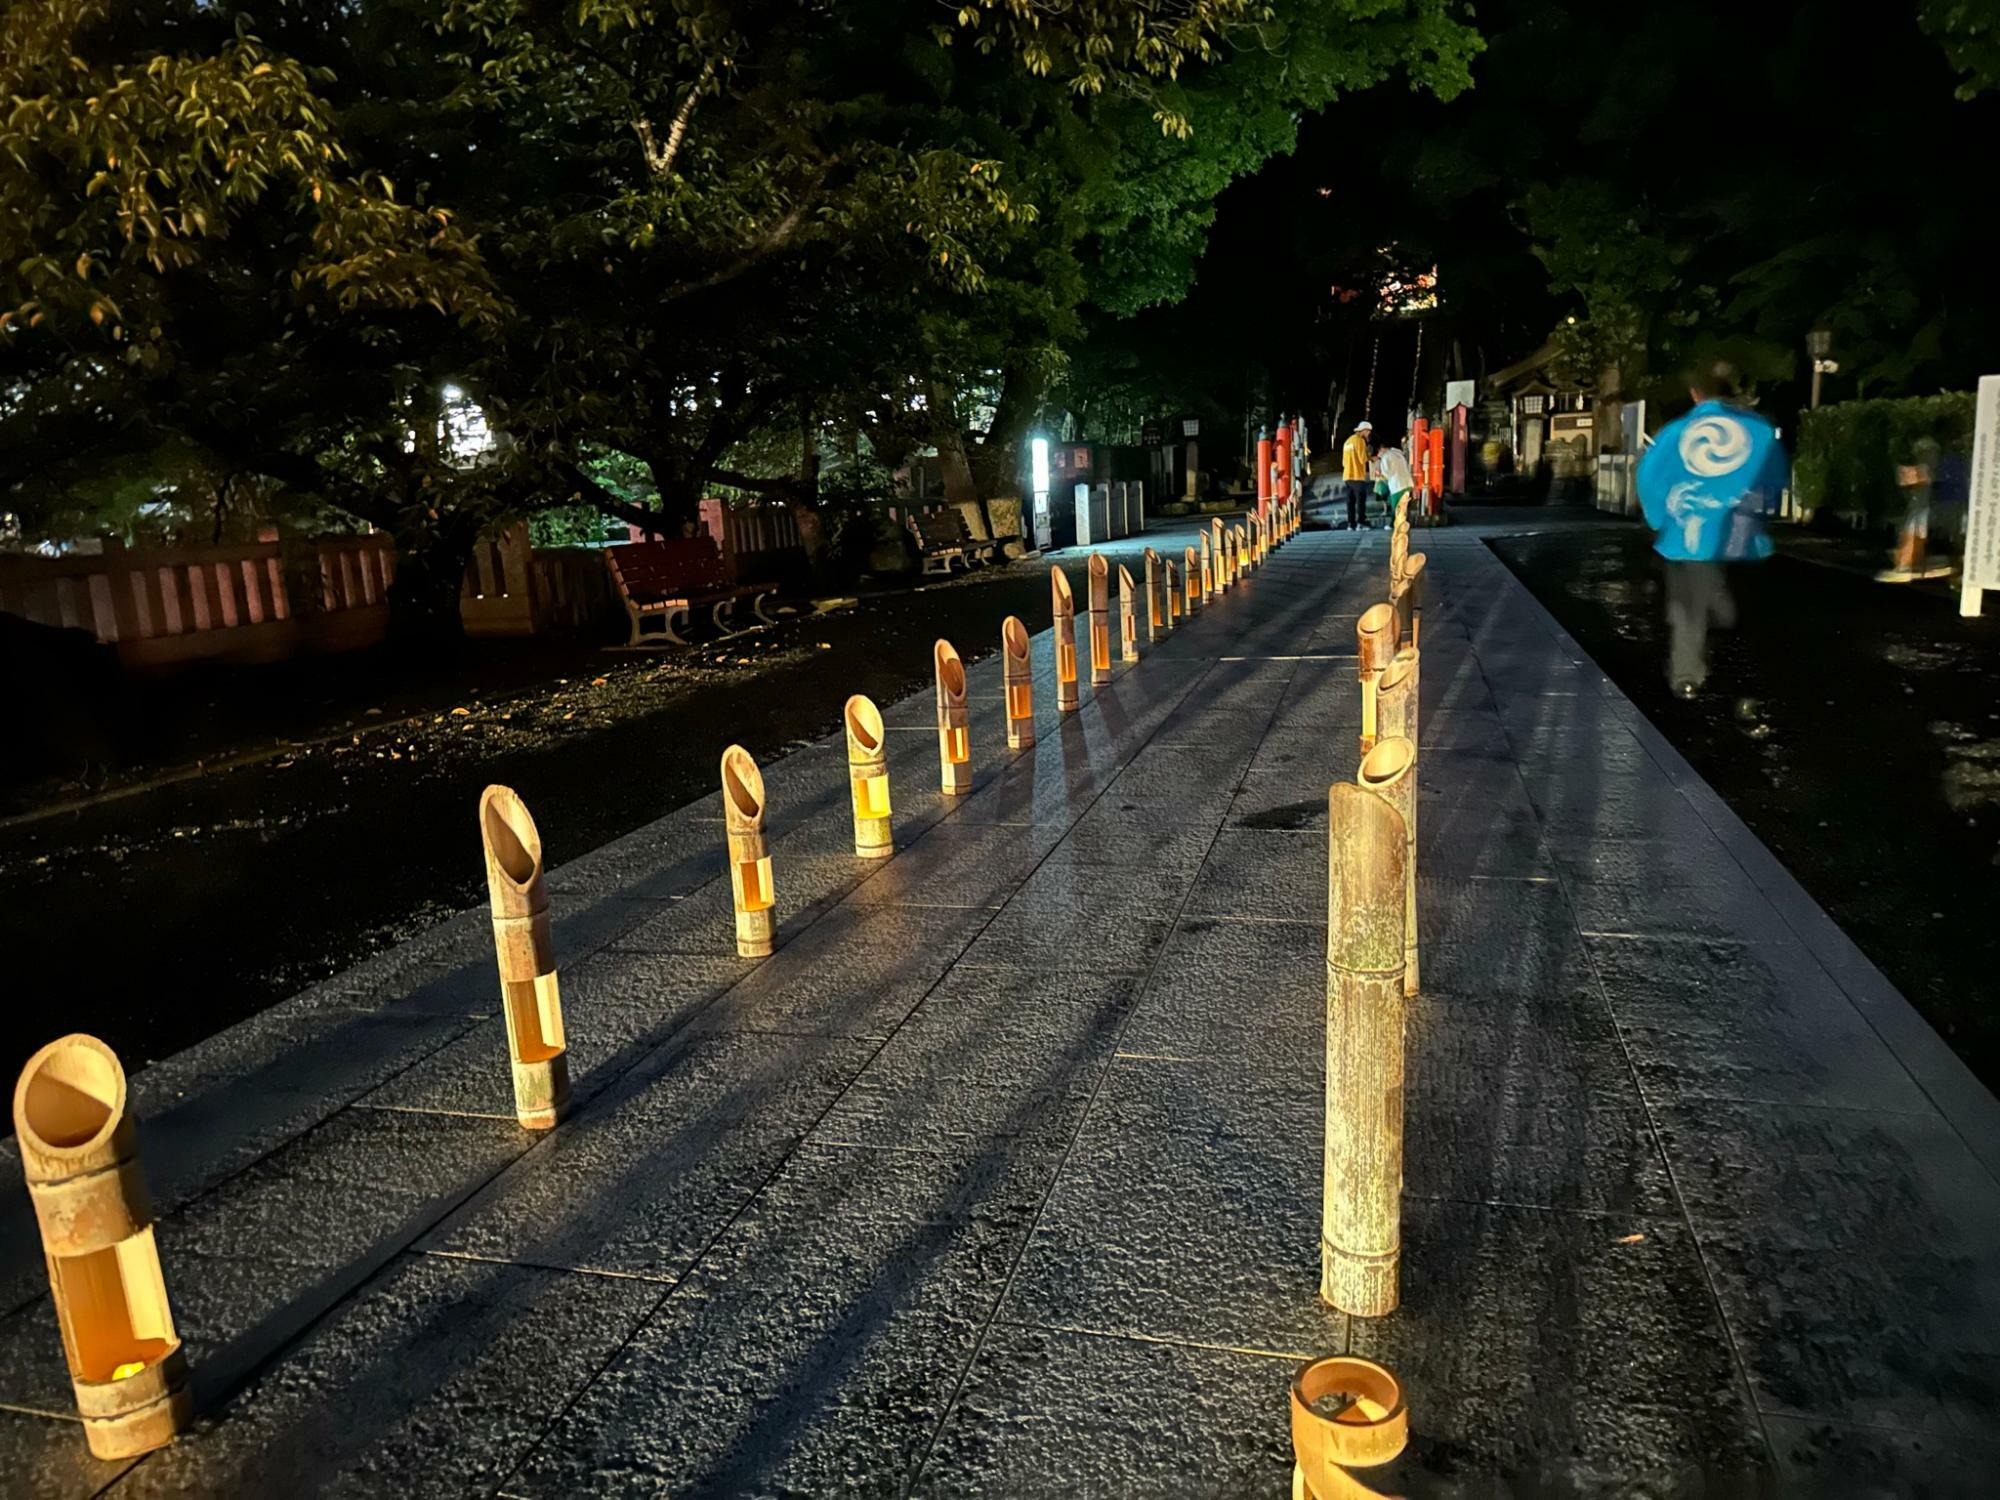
pixel 1853 725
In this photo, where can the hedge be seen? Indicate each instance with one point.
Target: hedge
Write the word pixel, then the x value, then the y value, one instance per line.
pixel 1848 452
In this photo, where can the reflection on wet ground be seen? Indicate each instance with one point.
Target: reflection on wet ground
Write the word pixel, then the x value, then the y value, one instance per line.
pixel 1853 726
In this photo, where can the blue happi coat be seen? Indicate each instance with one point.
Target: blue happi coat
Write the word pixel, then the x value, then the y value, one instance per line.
pixel 1709 480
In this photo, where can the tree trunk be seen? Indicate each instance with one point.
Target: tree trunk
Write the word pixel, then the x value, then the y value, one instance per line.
pixel 959 485
pixel 430 573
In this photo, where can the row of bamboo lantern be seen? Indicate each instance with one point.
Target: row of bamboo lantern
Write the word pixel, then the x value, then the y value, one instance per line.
pixel 1371 970
pixel 77 1139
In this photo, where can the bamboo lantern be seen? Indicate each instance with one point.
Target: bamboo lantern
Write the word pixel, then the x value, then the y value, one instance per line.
pixel 749 857
pixel 1173 596
pixel 1128 616
pixel 1399 551
pixel 868 778
pixel 1409 598
pixel 1065 639
pixel 1362 1179
pixel 1018 677
pixel 1156 610
pixel 1244 560
pixel 1208 571
pixel 954 721
pixel 1371 1426
pixel 80 1154
pixel 530 997
pixel 1375 641
pixel 1194 579
pixel 1217 577
pixel 1396 696
pixel 1232 562
pixel 1099 625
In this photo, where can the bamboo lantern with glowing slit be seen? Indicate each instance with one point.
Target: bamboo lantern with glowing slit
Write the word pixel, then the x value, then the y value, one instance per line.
pixel 1156 610
pixel 1192 574
pixel 1098 626
pixel 1065 638
pixel 80 1155
pixel 1018 677
pixel 1408 597
pixel 953 720
pixel 530 997
pixel 1369 1426
pixel 749 856
pixel 1375 644
pixel 1396 715
pixel 1232 564
pixel 1245 558
pixel 1207 588
pixel 1128 616
pixel 868 778
pixel 1219 572
pixel 1173 596
pixel 1362 1168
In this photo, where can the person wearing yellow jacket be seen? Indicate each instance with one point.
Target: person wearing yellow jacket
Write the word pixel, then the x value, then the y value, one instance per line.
pixel 1354 466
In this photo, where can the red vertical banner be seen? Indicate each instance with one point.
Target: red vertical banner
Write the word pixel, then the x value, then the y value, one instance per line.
pixel 1264 447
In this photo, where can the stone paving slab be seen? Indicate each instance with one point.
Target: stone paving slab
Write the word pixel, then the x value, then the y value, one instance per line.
pixel 1001 1176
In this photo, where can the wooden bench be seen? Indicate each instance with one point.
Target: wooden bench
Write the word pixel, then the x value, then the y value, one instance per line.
pixel 659 582
pixel 942 539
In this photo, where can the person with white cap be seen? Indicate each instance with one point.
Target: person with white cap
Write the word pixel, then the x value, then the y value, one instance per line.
pixel 1354 465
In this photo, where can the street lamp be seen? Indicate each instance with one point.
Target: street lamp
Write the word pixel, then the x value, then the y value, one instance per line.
pixel 1819 344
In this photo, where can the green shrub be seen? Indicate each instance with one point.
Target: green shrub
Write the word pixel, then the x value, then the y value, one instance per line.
pixel 1848 452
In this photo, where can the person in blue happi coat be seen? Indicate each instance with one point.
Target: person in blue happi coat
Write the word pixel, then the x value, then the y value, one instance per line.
pixel 1706 484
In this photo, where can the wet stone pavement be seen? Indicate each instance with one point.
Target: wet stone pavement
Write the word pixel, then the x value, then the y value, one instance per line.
pixel 1001 1176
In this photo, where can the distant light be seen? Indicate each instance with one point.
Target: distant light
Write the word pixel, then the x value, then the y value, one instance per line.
pixel 453 393
pixel 1326 192
pixel 1039 457
pixel 1571 320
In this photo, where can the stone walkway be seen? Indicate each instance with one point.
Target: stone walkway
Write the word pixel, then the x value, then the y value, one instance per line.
pixel 1001 1177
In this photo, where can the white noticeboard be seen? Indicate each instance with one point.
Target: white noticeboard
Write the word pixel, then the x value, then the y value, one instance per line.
pixel 1982 512
pixel 1457 393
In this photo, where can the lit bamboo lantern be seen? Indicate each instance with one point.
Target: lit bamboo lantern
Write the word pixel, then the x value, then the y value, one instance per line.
pixel 868 778
pixel 1173 596
pixel 1362 1177
pixel 1208 566
pixel 1409 597
pixel 530 996
pixel 1371 1426
pixel 1244 561
pixel 80 1154
pixel 1194 579
pixel 1128 616
pixel 1065 638
pixel 1375 642
pixel 1018 677
pixel 1099 624
pixel 1232 565
pixel 954 721
pixel 1396 698
pixel 749 857
pixel 1156 610
pixel 1217 576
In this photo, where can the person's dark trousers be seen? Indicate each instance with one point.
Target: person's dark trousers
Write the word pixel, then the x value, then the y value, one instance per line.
pixel 1357 502
pixel 1697 595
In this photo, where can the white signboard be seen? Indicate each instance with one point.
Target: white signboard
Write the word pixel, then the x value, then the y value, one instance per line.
pixel 1457 393
pixel 1982 513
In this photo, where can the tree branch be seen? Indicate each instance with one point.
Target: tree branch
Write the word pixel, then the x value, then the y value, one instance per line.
pixel 660 159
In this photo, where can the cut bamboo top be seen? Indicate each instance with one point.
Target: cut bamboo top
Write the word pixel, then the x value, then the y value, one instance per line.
pixel 1386 764
pixel 1397 672
pixel 742 791
pixel 1413 566
pixel 513 854
pixel 1126 583
pixel 1152 556
pixel 1375 636
pixel 1100 582
pixel 1059 591
pixel 950 675
pixel 864 728
pixel 1372 1428
pixel 69 1110
pixel 1014 643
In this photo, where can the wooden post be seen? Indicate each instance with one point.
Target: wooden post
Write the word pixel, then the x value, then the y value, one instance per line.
pixel 953 720
pixel 1362 1176
pixel 530 997
pixel 1156 614
pixel 1064 603
pixel 1408 598
pixel 80 1155
pixel 868 778
pixel 1099 625
pixel 1375 643
pixel 1369 1427
pixel 1194 579
pixel 1018 676
pixel 1173 597
pixel 749 857
pixel 1128 616
pixel 1397 698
